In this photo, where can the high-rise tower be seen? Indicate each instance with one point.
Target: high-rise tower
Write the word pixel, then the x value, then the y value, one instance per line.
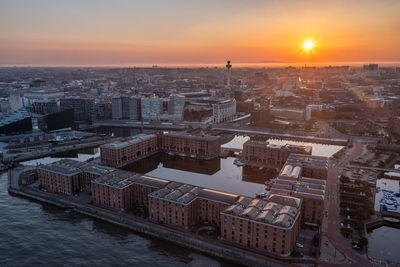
pixel 228 66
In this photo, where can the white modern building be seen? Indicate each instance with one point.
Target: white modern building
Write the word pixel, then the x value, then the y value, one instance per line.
pixel 309 109
pixel 151 108
pixel 224 111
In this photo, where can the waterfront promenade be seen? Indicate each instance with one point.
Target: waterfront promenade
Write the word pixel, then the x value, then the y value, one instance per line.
pixel 188 239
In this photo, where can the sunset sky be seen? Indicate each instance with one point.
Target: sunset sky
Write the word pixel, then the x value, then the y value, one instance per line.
pixel 100 32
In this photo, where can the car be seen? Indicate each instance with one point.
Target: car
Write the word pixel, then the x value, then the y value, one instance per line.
pixel 299 245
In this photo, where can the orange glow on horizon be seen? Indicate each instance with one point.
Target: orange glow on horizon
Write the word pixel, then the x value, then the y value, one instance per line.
pixel 164 33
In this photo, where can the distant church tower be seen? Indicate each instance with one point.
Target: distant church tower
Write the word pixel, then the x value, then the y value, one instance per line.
pixel 228 66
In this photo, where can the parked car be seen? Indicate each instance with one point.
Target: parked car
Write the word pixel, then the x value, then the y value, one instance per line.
pixel 299 245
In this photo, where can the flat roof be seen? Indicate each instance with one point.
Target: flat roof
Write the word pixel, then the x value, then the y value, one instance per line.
pixel 56 167
pixel 291 147
pixel 81 166
pixel 133 140
pixel 196 137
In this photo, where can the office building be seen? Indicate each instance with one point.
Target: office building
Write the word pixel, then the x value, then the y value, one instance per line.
pixel 84 108
pixel 45 107
pixel 152 108
pixel 176 105
pixel 126 108
pixel 224 111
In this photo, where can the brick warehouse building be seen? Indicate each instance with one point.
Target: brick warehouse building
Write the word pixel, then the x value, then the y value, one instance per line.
pixel 124 190
pixel 201 146
pixel 263 153
pixel 183 205
pixel 70 176
pixel 304 176
pixel 267 225
pixel 118 154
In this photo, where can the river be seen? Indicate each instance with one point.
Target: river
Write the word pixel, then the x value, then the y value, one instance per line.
pixel 36 234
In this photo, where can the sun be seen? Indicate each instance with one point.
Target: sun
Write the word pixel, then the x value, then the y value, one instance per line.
pixel 308 45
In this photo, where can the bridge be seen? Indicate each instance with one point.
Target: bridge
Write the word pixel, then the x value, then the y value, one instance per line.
pixel 312 139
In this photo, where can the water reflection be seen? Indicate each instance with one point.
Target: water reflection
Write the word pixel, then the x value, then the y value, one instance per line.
pixel 151 163
pixel 220 174
pixel 257 175
pixel 384 243
pixel 80 155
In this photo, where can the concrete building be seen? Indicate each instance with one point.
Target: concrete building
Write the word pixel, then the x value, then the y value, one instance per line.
pixel 45 107
pixel 151 108
pixel 200 146
pixel 309 110
pixel 263 153
pixel 127 108
pixel 224 111
pixel 15 102
pixel 266 225
pixel 103 110
pixel 118 154
pixel 175 106
pixel 288 113
pixel 84 108
pixel 45 93
pixel 260 118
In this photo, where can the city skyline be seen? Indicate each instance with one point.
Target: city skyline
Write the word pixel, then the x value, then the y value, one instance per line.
pixel 189 32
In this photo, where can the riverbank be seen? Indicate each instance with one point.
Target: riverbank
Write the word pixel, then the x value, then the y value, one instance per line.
pixel 190 240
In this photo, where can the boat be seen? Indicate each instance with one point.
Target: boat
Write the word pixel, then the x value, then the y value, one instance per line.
pixel 238 163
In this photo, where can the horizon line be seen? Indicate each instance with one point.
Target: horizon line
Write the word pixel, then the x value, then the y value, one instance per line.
pixel 200 65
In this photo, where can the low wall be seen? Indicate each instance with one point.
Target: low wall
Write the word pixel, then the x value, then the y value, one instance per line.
pixel 216 248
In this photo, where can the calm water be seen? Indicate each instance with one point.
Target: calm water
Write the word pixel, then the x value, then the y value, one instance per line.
pixel 384 244
pixel 36 234
pixel 219 174
pixel 81 155
pixel 317 149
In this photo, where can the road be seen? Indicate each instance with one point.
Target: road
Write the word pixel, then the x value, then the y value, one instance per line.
pixel 331 224
pixel 374 168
